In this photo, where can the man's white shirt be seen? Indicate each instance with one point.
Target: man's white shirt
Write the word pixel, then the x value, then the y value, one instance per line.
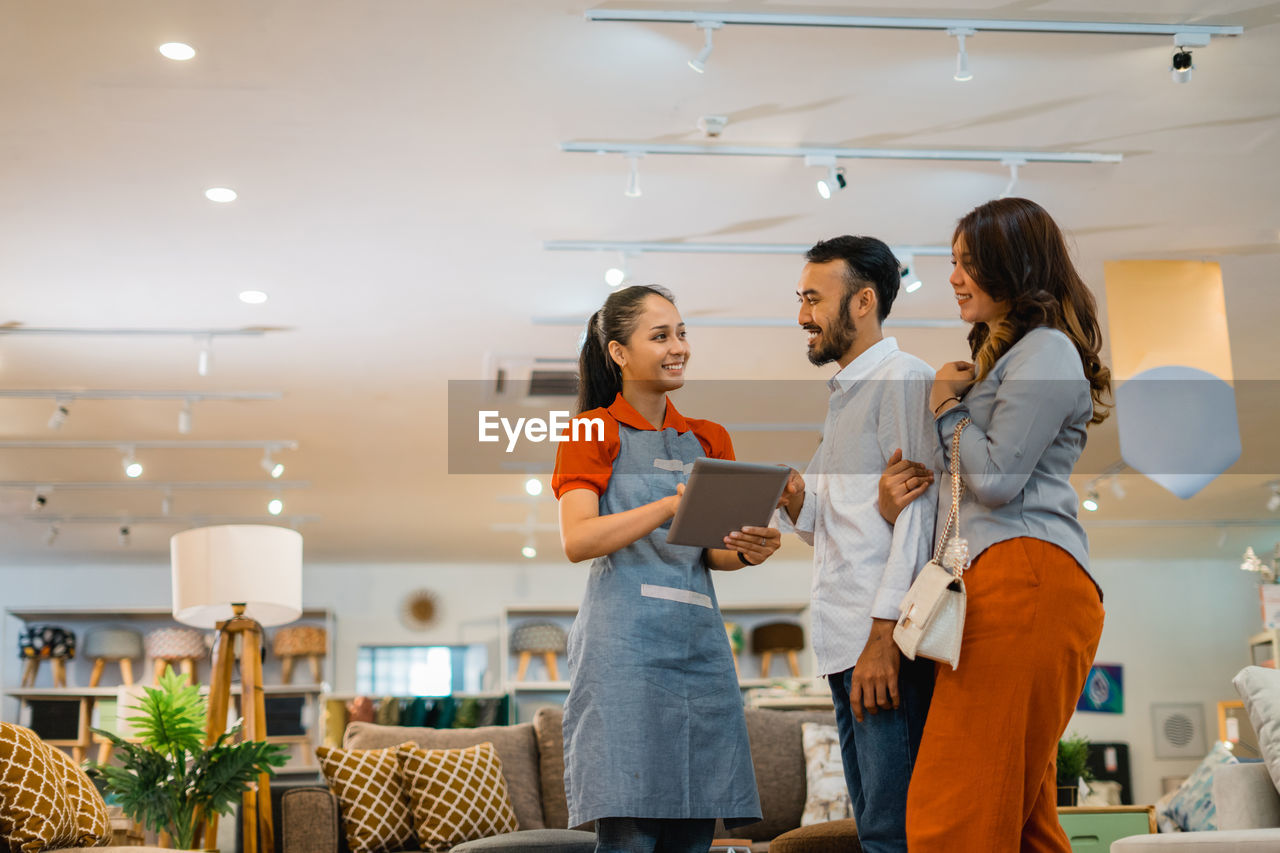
pixel 863 566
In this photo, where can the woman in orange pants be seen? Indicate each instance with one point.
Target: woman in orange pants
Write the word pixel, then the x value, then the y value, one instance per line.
pixel 984 779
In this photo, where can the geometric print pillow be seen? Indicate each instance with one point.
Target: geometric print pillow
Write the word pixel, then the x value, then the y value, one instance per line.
pixel 368 786
pixel 35 812
pixel 456 795
pixel 92 821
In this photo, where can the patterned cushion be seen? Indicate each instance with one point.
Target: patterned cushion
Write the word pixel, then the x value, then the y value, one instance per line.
pixel 538 637
pixel 35 812
pixel 175 644
pixel 824 776
pixel 298 640
pixel 368 785
pixel 113 643
pixel 456 795
pixel 1192 807
pixel 92 822
pixel 46 641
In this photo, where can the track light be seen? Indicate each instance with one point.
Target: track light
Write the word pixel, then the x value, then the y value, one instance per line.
pixel 1090 501
pixel 184 418
pixel 533 486
pixel 204 363
pixel 1117 488
pixel 123 538
pixel 832 183
pixel 166 503
pixel 1273 502
pixel 910 281
pixel 61 409
pixel 40 500
pixel 633 178
pixel 530 549
pixel 275 506
pixel 132 467
pixel 699 62
pixel 617 276
pixel 275 470
pixel 963 73
pixel 1181 67
pixel 51 535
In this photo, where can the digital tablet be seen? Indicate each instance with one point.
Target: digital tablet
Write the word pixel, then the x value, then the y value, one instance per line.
pixel 723 496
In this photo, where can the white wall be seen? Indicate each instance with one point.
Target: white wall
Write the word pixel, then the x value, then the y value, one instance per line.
pixel 1180 629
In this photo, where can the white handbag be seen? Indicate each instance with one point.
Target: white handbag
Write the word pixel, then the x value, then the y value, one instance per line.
pixel 931 620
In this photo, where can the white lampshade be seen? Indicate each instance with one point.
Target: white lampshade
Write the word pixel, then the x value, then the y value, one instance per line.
pixel 257 565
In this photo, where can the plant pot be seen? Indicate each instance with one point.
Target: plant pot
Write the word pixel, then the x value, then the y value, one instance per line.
pixel 1067 795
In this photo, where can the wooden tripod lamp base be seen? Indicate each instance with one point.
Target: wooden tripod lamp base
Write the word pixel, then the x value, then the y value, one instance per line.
pixel 238 578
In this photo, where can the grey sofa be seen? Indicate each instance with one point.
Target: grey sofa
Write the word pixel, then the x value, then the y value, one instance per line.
pixel 1248 818
pixel 532 757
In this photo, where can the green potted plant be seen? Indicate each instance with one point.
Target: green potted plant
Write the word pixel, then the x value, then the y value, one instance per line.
pixel 169 779
pixel 1073 757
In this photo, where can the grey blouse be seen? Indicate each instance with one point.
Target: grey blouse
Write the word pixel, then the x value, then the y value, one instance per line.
pixel 1029 417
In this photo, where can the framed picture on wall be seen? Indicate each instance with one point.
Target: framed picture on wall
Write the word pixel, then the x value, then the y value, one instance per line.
pixel 1103 690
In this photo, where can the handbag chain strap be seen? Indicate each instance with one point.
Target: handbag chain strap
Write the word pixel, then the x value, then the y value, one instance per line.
pixel 955 549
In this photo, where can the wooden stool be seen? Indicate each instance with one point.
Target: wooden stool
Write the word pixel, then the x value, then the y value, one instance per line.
pixel 734 631
pixel 46 642
pixel 541 638
pixel 778 637
pixel 300 641
pixel 108 645
pixel 183 646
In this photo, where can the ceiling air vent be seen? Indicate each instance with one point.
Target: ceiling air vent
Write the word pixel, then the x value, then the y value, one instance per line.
pixel 553 383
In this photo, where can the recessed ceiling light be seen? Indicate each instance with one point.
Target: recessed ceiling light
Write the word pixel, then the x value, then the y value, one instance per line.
pixel 275 506
pixel 533 486
pixel 253 297
pixel 220 194
pixel 176 50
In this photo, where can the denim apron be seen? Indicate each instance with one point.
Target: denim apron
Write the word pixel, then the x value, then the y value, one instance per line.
pixel 653 726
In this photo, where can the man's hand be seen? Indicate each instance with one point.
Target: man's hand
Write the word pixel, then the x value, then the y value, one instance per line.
pixel 875 676
pixel 792 499
pixel 902 482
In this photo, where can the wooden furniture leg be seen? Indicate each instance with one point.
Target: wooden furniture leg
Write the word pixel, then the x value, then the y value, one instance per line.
pixel 99 664
pixel 316 674
pixel 766 658
pixel 83 738
pixel 158 670
pixel 59 672
pixel 188 667
pixel 126 671
pixel 104 751
pixel 286 669
pixel 736 671
pixel 216 721
pixel 30 671
pixel 523 668
pixel 794 663
pixel 553 673
pixel 255 711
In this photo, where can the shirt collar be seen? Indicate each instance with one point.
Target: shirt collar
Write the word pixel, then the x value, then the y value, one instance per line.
pixel 860 368
pixel 624 413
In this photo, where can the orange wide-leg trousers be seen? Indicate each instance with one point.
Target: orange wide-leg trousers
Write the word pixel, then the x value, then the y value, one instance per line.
pixel 984 779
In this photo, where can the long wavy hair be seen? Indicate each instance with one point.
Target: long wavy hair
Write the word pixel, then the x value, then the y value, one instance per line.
pixel 1016 253
pixel 599 377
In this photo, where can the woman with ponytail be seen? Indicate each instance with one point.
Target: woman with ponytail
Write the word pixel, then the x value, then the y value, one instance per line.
pixel 655 739
pixel 985 778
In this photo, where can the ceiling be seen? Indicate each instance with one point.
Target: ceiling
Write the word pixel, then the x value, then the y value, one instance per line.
pixel 398 168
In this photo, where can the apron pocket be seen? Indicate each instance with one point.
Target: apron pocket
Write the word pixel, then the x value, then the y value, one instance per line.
pixel 670 593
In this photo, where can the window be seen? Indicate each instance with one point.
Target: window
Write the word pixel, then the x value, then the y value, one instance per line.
pixel 421 670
